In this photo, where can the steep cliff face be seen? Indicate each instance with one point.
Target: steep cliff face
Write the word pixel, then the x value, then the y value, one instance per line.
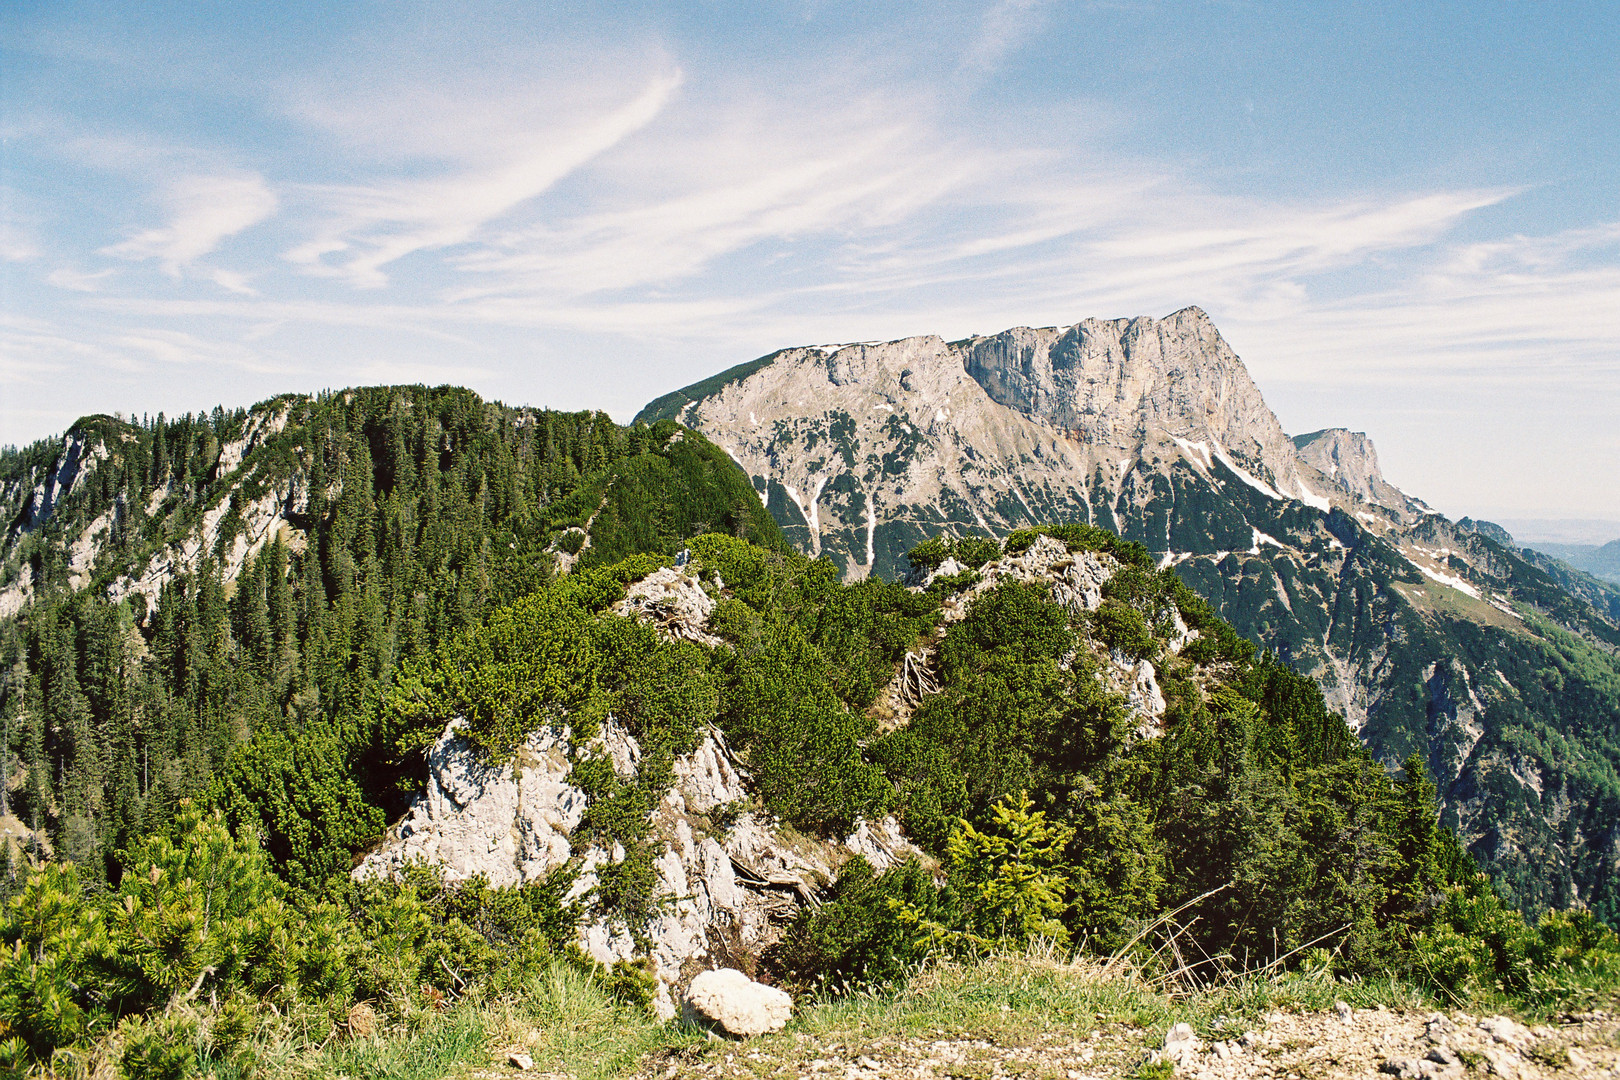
pixel 58 499
pixel 1413 626
pixel 1122 382
pixel 1348 459
pixel 861 450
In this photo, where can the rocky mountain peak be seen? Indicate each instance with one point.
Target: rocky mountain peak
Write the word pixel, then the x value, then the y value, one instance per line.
pixel 859 450
pixel 1118 382
pixel 1349 460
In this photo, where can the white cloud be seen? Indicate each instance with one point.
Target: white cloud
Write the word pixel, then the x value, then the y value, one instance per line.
pixel 15 245
pixel 175 348
pixel 1005 26
pixel 66 277
pixel 33 350
pixel 378 224
pixel 204 210
pixel 814 201
pixel 1527 311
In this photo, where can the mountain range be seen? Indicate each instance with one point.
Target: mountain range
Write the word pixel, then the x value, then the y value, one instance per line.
pixel 1430 636
pixel 396 515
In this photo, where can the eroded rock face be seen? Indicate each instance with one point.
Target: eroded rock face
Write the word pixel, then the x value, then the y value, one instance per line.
pixel 727 892
pixel 1109 381
pixel 672 600
pixel 860 450
pixel 508 824
pixel 1349 460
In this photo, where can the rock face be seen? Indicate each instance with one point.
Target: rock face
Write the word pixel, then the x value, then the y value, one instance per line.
pixel 1116 382
pixel 507 824
pixel 1348 459
pixel 738 1004
pixel 33 499
pixel 1152 428
pixel 861 450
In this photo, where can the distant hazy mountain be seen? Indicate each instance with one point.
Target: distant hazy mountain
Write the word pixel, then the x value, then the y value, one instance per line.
pixel 1430 636
pixel 1599 560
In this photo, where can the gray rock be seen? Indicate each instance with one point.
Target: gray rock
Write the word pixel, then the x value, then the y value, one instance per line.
pixel 1181 1043
pixel 1507 1032
pixel 1443 1055
pixel 1348 459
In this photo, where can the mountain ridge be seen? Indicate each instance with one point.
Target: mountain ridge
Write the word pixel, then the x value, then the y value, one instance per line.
pixel 1154 429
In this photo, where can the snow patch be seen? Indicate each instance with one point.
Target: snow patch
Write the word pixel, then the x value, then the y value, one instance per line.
pixel 1263 538
pixel 871 528
pixel 1198 451
pixel 1501 604
pixel 1449 579
pixel 1253 481
pixel 1312 499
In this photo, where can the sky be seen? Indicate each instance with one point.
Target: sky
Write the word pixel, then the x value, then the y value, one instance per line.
pixel 1404 217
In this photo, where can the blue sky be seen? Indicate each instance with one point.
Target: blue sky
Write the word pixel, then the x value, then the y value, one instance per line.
pixel 1405 218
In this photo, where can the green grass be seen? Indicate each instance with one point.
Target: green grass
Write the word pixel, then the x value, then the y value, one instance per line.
pixel 1010 999
pixel 562 1019
pixel 569 1025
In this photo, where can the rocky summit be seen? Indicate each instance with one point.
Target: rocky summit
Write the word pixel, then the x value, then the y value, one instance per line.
pixel 1430 637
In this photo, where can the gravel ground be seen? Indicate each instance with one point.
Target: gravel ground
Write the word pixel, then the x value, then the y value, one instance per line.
pixel 1345 1042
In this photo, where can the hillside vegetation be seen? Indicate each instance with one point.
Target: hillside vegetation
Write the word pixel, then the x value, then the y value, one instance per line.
pixel 228 937
pixel 407 514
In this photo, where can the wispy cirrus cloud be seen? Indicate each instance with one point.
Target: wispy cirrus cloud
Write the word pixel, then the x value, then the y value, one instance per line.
pixel 1005 26
pixel 204 210
pixel 66 277
pixel 765 192
pixel 371 226
pixel 16 245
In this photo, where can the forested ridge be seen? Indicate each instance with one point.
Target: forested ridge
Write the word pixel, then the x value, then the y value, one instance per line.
pixel 410 512
pixel 202 771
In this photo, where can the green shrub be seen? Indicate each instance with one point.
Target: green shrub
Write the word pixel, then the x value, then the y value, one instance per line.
pixel 159 1047
pixel 52 937
pixel 1021 540
pixel 1011 875
pixel 1475 944
pixel 1122 627
pixel 974 551
pixel 865 934
pixel 929 554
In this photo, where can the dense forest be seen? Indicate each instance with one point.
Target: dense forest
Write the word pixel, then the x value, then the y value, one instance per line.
pixel 424 509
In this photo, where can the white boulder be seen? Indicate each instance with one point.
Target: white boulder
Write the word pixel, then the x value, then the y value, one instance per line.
pixel 738 1004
